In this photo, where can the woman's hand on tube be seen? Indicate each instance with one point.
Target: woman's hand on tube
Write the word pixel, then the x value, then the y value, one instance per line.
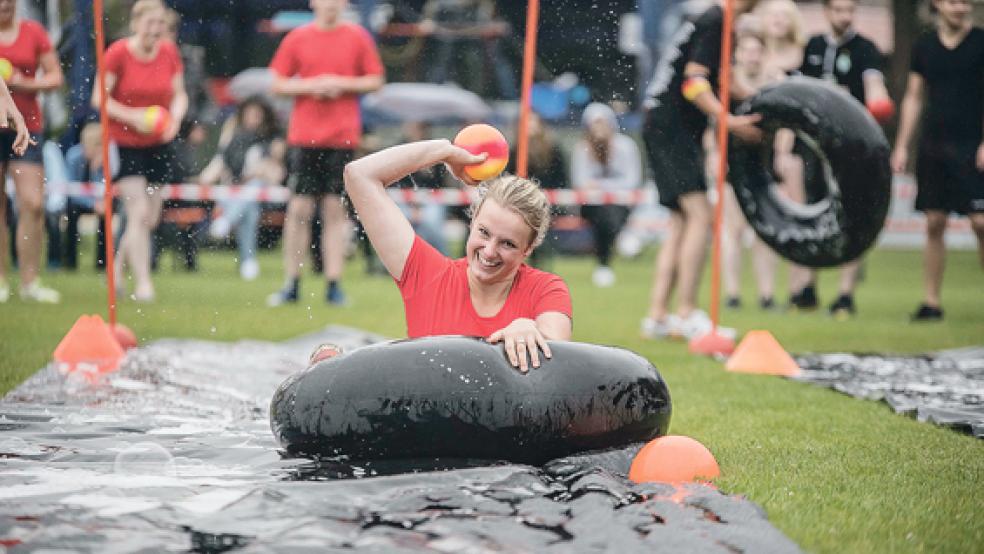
pixel 521 338
pixel 458 158
pixel 746 127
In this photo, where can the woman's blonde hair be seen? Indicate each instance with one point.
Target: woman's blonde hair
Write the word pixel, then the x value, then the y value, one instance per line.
pixel 522 196
pixel 143 7
pixel 797 33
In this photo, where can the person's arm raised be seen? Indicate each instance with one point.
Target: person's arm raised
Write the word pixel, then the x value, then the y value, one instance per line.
pixel 366 180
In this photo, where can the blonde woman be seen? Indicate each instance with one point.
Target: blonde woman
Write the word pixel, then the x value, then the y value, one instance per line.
pixel 490 292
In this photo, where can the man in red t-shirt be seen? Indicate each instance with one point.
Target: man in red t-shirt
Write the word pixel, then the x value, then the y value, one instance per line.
pixel 324 65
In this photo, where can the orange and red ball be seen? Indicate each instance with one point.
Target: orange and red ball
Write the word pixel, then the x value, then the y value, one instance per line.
pixel 156 121
pixel 481 138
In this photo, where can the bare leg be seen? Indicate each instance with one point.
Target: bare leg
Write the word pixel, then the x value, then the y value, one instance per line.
pixel 977 224
pixel 666 269
pixel 765 262
pixel 934 256
pixel 143 212
pixel 29 183
pixel 334 235
pixel 297 234
pixel 693 249
pixel 733 229
pixel 4 234
pixel 849 277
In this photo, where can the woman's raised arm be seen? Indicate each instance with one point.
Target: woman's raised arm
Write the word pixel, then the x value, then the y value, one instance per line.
pixel 366 180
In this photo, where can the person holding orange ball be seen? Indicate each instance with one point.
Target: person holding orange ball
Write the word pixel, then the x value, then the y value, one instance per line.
pixel 490 292
pixel 146 103
pixel 25 46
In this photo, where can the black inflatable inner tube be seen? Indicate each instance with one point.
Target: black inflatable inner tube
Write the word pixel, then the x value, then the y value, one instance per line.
pixel 848 175
pixel 458 397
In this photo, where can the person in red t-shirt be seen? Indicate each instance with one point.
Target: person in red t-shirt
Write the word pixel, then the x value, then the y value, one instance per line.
pixel 324 66
pixel 490 292
pixel 24 47
pixel 143 70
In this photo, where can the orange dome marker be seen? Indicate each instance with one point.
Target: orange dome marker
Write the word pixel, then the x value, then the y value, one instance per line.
pixel 481 138
pixel 759 352
pixel 124 335
pixel 89 346
pixel 673 459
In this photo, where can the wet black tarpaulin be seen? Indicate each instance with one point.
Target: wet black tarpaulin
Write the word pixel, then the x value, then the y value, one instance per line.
pixel 174 453
pixel 946 388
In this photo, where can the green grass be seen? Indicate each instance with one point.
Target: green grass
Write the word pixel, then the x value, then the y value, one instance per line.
pixel 834 473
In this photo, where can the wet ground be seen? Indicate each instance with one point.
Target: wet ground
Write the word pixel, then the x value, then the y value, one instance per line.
pixel 174 453
pixel 946 388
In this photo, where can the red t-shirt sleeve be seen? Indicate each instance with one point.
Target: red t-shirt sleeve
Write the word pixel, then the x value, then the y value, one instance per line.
pixel 423 266
pixel 39 36
pixel 174 57
pixel 553 296
pixel 369 62
pixel 284 62
pixel 115 57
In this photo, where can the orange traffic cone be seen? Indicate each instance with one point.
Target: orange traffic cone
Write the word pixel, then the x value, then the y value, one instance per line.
pixel 760 352
pixel 89 346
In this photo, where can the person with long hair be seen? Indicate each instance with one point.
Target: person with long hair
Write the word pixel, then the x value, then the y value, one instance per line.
pixel 490 292
pixel 143 71
pixel 251 154
pixel 33 65
pixel 606 160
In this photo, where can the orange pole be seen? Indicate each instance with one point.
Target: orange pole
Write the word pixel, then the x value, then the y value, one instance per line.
pixel 529 61
pixel 722 140
pixel 97 15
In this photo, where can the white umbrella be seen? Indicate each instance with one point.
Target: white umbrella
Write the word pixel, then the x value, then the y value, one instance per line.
pixel 427 102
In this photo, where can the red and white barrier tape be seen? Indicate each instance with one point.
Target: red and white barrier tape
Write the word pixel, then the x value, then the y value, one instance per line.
pixel 446 196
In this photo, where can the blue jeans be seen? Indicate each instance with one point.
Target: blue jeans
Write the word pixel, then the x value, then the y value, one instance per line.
pixel 244 216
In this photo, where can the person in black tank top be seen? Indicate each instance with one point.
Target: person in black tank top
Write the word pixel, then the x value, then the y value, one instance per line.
pixel 945 95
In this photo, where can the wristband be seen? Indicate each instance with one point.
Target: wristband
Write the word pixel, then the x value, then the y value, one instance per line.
pixel 694 87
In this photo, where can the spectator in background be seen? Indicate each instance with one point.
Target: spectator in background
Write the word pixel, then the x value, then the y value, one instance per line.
pixel 251 154
pixel 605 160
pixel 845 58
pixel 547 165
pixel 467 31
pixel 83 164
pixel 25 48
pixel 142 70
pixel 750 73
pixel 324 66
pixel 427 218
pixel 945 88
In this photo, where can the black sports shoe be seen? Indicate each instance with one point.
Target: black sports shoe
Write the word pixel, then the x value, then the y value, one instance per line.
pixel 928 313
pixel 843 308
pixel 334 294
pixel 286 295
pixel 733 302
pixel 805 299
pixel 767 303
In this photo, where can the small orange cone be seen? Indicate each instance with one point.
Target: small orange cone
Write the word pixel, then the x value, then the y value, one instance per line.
pixel 760 352
pixel 673 459
pixel 89 346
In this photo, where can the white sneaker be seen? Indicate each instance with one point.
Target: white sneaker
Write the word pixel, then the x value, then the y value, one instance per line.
pixel 603 277
pixel 4 292
pixel 652 329
pixel 249 270
pixel 36 292
pixel 698 323
pixel 220 228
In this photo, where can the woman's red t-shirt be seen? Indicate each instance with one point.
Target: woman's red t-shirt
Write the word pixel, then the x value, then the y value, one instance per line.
pixel 24 55
pixel 141 83
pixel 437 300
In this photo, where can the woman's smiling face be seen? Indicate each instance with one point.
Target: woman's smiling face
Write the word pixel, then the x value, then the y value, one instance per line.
pixel 499 241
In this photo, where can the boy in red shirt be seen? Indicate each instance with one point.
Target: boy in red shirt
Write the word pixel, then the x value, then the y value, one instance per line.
pixel 324 65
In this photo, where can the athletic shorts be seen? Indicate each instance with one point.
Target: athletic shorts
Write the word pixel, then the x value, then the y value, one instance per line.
pixel 948 178
pixel 31 155
pixel 158 164
pixel 676 155
pixel 317 171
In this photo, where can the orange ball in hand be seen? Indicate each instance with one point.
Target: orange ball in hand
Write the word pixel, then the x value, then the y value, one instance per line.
pixel 6 69
pixel 673 459
pixel 156 121
pixel 481 138
pixel 882 109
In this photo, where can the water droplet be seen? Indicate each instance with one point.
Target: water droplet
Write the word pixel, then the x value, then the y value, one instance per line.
pixel 144 458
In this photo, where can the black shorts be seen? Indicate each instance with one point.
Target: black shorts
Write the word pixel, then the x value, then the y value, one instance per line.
pixel 317 171
pixel 31 155
pixel 158 164
pixel 676 155
pixel 947 177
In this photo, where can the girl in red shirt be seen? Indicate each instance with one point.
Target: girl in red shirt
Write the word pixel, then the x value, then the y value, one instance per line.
pixel 143 70
pixel 490 292
pixel 24 47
